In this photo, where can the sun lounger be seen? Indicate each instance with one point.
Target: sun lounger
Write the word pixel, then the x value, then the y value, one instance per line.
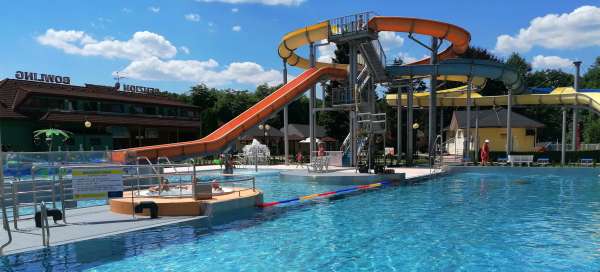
pixel 587 162
pixel 543 161
pixel 520 159
pixel 502 161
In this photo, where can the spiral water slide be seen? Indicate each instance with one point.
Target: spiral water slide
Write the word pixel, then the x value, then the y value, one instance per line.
pixel 220 138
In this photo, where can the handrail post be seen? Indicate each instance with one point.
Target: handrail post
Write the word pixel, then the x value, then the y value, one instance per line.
pixel 15 199
pixel 63 199
pixel 194 181
pixel 34 188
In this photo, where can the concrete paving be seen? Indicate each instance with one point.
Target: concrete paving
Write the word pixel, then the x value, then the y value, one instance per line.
pixel 82 224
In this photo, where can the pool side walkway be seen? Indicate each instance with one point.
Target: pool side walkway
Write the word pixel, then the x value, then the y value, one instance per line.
pixel 409 172
pixel 82 224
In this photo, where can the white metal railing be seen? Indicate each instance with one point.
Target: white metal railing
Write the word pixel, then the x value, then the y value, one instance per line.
pixel 350 24
pixel 569 147
pixel 55 186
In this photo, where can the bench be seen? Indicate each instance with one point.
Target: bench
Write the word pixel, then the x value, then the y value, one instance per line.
pixel 588 162
pixel 543 161
pixel 520 159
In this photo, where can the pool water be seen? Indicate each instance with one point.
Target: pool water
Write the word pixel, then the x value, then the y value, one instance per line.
pixel 506 219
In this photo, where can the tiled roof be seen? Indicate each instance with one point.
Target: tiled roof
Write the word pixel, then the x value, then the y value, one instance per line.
pixel 493 118
pixel 71 117
pixel 13 87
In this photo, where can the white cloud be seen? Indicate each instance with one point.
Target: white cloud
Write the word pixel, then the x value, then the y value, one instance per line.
pixel 236 28
pixel 264 2
pixel 235 10
pixel 154 9
pixel 390 40
pixel 326 52
pixel 550 62
pixel 192 17
pixel 405 57
pixel 184 49
pixel 580 28
pixel 206 72
pixel 143 44
pixel 126 10
pixel 152 56
pixel 211 24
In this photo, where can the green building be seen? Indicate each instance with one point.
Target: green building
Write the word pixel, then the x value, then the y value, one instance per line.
pixel 100 117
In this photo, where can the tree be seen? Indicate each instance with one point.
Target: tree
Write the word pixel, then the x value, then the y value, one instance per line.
pixel 492 87
pixel 591 79
pixel 591 131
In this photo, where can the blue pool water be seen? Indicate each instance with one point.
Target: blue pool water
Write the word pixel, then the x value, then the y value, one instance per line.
pixel 507 220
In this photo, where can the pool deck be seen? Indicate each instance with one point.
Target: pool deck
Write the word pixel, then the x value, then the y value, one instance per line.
pixel 96 222
pixel 410 173
pixel 82 224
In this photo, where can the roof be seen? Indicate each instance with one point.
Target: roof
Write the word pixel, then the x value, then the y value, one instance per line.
pixel 14 92
pixel 254 132
pixel 492 118
pixel 301 131
pixel 108 119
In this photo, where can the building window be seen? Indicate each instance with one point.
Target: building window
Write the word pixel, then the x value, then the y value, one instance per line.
pixel 530 132
pixel 111 107
pixel 90 106
pixel 151 133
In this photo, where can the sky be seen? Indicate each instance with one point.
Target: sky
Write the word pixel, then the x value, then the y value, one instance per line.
pixel 176 44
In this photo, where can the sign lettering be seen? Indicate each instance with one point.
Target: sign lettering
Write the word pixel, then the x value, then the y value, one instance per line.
pixel 31 76
pixel 140 89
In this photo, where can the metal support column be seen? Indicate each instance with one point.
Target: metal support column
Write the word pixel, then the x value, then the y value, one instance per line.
pixel 563 146
pixel 433 99
pixel 509 124
pixel 399 124
pixel 409 123
pixel 576 87
pixel 311 106
pixel 286 142
pixel 356 96
pixel 467 139
pixel 477 134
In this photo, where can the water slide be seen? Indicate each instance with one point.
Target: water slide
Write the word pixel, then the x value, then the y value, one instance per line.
pixel 220 138
pixel 563 96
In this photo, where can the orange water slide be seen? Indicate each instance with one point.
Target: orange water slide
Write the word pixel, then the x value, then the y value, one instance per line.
pixel 287 50
pixel 227 133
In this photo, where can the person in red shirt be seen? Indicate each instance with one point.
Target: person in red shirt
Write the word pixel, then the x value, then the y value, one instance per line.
pixel 321 151
pixel 485 152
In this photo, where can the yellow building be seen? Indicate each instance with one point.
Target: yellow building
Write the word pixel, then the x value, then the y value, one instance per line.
pixel 492 126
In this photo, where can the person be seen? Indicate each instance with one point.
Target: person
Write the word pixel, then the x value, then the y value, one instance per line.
pixel 321 151
pixel 298 159
pixel 485 152
pixel 216 187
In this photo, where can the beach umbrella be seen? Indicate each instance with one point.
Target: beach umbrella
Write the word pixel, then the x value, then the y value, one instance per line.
pixel 50 133
pixel 307 141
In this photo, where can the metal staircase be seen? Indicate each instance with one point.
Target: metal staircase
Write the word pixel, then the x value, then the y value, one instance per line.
pixel 375 58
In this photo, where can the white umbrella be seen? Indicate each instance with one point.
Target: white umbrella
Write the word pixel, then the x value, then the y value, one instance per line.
pixel 307 140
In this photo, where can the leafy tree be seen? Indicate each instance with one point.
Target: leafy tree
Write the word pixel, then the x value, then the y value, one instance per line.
pixel 591 131
pixel 591 79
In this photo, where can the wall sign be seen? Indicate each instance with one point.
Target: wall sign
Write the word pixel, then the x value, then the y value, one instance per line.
pixel 31 76
pixel 140 89
pixel 97 183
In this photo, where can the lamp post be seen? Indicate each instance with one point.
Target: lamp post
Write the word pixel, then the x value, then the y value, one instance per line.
pixel 265 129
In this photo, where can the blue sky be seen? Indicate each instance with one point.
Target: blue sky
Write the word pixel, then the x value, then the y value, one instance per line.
pixel 175 44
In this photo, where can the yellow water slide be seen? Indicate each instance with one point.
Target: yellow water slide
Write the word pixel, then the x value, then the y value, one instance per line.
pixel 563 96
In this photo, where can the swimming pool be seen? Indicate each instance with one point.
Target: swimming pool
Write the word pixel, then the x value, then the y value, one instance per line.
pixel 491 219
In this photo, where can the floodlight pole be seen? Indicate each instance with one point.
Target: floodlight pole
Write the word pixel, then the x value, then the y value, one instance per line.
pixel 286 145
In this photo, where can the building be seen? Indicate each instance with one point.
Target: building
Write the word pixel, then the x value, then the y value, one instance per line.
pixel 492 126
pixel 119 118
pixel 297 132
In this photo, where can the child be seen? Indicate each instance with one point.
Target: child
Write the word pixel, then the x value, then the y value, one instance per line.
pixel 298 159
